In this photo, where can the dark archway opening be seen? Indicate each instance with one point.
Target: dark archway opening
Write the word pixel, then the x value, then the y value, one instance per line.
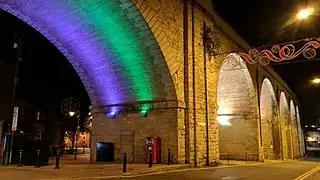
pixel 46 78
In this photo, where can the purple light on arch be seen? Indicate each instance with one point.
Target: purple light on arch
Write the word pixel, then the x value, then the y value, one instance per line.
pixel 104 69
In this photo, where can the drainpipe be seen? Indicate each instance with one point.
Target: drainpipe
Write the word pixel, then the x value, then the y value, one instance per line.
pixel 206 95
pixel 186 81
pixel 194 85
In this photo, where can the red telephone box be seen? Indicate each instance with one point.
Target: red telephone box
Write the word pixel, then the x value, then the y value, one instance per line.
pixel 154 145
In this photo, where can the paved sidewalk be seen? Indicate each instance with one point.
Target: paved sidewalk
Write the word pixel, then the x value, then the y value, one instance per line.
pixel 80 171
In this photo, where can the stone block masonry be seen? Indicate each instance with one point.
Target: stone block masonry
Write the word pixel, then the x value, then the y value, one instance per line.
pixel 237 103
pixel 183 127
pixel 128 133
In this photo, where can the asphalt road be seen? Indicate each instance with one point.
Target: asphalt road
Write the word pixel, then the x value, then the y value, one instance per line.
pixel 278 171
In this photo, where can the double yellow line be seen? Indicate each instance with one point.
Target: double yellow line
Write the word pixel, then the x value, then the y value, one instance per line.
pixel 308 174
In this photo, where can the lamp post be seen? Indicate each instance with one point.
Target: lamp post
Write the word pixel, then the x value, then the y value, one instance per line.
pixel 71 107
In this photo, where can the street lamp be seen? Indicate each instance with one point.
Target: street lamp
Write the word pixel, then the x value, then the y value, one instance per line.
pixel 71 107
pixel 305 13
pixel 71 113
pixel 316 81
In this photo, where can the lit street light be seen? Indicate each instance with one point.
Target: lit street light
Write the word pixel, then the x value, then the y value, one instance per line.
pixel 71 107
pixel 71 113
pixel 315 81
pixel 305 13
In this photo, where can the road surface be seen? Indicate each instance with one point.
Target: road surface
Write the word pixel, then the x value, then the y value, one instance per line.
pixel 278 171
pixel 289 170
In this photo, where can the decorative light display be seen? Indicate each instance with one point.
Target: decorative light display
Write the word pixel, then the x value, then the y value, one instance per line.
pixel 116 56
pixel 286 52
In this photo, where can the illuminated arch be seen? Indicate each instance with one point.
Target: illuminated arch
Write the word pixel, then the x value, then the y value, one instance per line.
pixel 237 113
pixel 285 127
pixel 108 43
pixel 270 127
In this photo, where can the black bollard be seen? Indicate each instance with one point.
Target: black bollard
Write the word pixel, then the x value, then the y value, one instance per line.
pixel 169 157
pixel 57 160
pixel 228 158
pixel 38 158
pixel 20 158
pixel 124 167
pixel 150 158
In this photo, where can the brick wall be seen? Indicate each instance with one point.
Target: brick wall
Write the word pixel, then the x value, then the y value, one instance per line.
pixel 270 126
pixel 128 132
pixel 236 97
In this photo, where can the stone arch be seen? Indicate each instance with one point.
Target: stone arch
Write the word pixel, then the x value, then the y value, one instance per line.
pixel 300 133
pixel 285 125
pixel 237 111
pixel 108 43
pixel 270 127
pixel 294 130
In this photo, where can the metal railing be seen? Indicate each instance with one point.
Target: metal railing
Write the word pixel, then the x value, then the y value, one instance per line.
pixel 247 157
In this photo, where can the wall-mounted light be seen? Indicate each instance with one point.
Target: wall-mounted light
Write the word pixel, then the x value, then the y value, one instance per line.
pixel 113 114
pixel 144 108
pixel 224 120
pixel 223 117
pixel 144 112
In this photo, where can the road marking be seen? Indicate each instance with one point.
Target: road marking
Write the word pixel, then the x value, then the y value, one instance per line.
pixel 308 174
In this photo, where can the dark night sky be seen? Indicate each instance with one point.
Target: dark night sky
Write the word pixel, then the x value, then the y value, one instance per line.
pixel 264 22
pixel 47 77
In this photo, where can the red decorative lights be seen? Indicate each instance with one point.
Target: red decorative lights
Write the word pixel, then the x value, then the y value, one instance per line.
pixel 284 53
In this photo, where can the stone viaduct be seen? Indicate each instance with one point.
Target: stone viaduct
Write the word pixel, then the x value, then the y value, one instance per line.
pixel 169 68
